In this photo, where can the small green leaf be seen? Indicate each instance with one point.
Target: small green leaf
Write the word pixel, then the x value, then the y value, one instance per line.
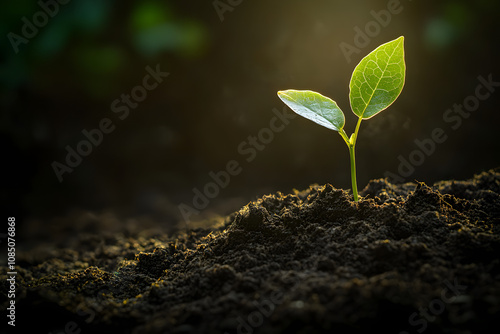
pixel 378 79
pixel 315 107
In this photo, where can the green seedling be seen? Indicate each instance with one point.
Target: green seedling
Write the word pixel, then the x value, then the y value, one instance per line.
pixel 375 84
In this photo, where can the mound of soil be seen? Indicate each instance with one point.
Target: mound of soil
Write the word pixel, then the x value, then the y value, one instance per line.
pixel 406 258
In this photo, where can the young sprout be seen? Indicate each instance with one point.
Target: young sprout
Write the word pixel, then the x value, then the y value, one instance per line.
pixel 375 84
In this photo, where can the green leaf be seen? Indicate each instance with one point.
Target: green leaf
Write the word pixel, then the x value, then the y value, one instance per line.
pixel 378 79
pixel 315 107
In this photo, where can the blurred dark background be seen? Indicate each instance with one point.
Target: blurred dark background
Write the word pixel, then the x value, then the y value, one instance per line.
pixel 221 88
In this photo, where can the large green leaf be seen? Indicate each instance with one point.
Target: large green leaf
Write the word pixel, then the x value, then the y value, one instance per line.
pixel 378 79
pixel 315 107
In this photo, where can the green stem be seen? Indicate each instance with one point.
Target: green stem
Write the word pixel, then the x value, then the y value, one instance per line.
pixel 353 173
pixel 351 143
pixel 355 134
pixel 344 136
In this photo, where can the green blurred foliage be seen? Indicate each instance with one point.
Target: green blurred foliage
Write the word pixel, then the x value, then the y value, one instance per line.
pixel 156 29
pixel 97 40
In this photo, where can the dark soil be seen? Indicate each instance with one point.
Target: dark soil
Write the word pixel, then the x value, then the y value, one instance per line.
pixel 406 258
